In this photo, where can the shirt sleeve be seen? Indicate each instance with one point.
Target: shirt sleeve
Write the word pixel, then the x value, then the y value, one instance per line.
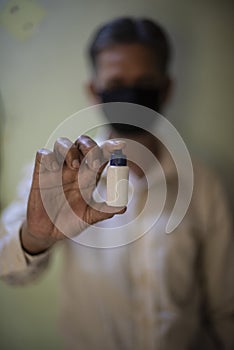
pixel 218 263
pixel 16 266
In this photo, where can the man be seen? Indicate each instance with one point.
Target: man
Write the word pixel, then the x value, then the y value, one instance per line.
pixel 161 291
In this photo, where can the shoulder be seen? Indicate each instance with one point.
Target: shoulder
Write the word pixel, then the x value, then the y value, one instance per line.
pixel 209 196
pixel 206 179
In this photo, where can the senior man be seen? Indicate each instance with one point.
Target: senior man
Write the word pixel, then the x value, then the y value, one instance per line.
pixel 161 291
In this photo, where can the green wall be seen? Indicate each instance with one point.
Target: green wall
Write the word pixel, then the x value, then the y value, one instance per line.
pixel 42 82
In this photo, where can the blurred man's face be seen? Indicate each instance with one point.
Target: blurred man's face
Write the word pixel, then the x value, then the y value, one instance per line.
pixel 128 65
pixel 129 73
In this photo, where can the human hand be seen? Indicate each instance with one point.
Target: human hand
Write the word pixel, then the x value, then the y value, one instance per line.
pixel 60 202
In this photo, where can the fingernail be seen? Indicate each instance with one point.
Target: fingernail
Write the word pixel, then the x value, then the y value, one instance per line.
pixel 117 143
pixel 96 164
pixel 75 163
pixel 55 165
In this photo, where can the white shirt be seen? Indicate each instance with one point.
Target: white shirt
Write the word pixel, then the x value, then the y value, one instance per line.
pixel 159 292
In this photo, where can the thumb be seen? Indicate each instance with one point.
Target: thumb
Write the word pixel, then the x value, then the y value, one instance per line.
pixel 101 211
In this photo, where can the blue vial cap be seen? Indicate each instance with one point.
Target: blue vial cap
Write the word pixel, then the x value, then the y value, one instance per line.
pixel 118 158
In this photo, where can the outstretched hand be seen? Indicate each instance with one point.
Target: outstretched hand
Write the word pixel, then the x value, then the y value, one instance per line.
pixel 61 197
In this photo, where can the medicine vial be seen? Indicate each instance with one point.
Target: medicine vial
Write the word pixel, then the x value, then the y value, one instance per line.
pixel 117 180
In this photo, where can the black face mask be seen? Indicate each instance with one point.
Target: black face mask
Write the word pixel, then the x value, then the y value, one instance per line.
pixel 147 97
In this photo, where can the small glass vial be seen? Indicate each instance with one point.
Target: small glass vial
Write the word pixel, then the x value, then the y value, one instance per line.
pixel 117 180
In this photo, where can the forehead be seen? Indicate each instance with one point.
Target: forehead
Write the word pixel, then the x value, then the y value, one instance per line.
pixel 127 58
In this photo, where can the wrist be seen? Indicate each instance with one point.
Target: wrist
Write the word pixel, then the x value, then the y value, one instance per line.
pixel 33 245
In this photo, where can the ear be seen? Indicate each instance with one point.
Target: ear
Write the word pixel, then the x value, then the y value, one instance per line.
pixel 167 91
pixel 90 90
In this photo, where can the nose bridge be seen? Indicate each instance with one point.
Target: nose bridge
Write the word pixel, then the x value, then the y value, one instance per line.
pixel 130 79
pixel 126 72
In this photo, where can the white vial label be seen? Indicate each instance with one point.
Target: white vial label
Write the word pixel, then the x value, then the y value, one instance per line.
pixel 117 186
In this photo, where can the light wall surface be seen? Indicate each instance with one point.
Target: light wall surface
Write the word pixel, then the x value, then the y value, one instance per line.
pixel 42 82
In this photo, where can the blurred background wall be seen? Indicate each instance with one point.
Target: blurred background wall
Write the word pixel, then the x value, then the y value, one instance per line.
pixel 43 69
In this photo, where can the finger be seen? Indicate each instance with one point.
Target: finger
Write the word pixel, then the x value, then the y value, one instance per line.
pixel 110 146
pixel 67 152
pixel 101 211
pixel 45 160
pixel 90 151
